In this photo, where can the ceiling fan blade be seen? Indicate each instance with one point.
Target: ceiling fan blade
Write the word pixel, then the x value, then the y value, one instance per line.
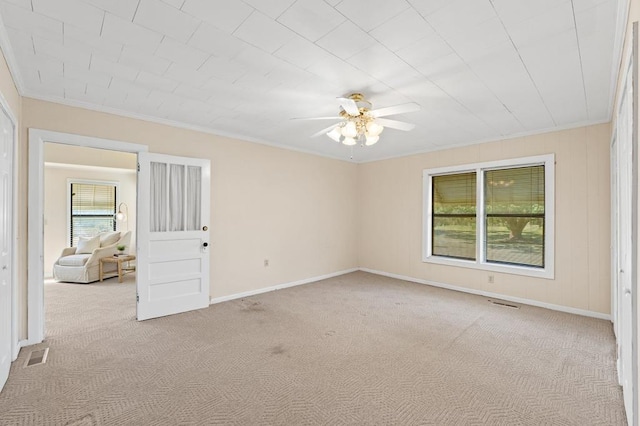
pixel 316 118
pixel 397 109
pixel 324 131
pixel 394 124
pixel 350 106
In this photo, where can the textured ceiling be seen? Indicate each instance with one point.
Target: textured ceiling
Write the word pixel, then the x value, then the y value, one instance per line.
pixel 480 69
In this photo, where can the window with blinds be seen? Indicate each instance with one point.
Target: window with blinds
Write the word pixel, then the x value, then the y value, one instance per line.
pixel 497 216
pixel 514 216
pixel 93 206
pixel 454 215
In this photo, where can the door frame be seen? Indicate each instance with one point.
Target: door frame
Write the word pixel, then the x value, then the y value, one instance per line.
pixel 15 333
pixel 35 238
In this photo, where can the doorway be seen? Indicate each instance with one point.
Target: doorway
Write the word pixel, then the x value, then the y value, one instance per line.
pixel 88 193
pixel 37 144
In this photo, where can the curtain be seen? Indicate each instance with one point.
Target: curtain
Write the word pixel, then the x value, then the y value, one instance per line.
pixel 194 193
pixel 176 197
pixel 158 219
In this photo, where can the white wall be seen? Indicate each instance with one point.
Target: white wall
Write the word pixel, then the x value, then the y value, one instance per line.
pixel 55 204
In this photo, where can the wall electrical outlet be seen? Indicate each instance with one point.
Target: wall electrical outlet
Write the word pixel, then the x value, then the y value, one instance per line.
pixel 266 262
pixel 490 279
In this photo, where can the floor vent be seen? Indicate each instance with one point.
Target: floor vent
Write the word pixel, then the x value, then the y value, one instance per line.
pixel 503 303
pixel 37 357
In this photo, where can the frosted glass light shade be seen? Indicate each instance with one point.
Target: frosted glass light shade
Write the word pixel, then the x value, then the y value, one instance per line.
pixel 335 134
pixel 374 129
pixel 349 130
pixel 371 140
pixel 349 141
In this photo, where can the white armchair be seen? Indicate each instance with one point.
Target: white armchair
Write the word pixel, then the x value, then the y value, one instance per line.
pixel 84 267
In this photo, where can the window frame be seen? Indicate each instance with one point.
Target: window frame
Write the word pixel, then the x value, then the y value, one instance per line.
pixel 71 181
pixel 548 161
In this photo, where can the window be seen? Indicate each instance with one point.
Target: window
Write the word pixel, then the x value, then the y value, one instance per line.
pixel 92 208
pixel 496 216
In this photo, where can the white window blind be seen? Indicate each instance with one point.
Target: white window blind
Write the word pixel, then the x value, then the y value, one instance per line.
pixel 92 209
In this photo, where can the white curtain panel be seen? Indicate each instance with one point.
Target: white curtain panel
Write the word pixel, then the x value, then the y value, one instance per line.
pixel 176 197
pixel 194 193
pixel 158 197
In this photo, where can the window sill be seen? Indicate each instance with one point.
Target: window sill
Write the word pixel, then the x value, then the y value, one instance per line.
pixel 546 273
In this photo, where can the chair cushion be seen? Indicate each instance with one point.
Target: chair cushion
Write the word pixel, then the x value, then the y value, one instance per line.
pixel 74 260
pixel 109 238
pixel 88 245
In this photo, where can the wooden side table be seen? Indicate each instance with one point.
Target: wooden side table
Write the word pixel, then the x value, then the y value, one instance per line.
pixel 119 260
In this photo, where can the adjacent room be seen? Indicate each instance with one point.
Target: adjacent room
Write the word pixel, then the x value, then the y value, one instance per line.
pixel 319 212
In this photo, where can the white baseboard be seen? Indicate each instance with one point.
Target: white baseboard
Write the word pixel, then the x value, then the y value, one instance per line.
pixel 279 286
pixel 524 301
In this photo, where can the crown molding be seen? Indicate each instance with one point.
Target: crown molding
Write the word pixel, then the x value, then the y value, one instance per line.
pixel 84 167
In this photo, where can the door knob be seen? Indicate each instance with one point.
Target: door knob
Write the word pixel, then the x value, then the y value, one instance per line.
pixel 205 244
pixel 205 228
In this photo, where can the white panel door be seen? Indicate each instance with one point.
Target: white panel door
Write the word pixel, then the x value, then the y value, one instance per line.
pixel 623 237
pixel 6 235
pixel 173 235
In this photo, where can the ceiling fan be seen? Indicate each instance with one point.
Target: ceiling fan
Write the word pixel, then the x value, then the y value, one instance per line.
pixel 359 123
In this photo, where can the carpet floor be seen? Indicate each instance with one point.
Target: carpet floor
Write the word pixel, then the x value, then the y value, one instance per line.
pixel 356 349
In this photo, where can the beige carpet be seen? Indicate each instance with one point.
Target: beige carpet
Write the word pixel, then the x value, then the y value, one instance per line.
pixel 356 349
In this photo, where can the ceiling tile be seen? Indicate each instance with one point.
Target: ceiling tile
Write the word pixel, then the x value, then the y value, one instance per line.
pixel 212 40
pixel 260 31
pixel 346 40
pixel 181 53
pixel 181 73
pixel 125 9
pixel 80 40
pixel 372 14
pixel 24 20
pixel 139 59
pixel 480 40
pixel 72 12
pixel 402 30
pixel 164 19
pixel 121 31
pixel 175 3
pixel 459 15
pixel 516 11
pixel 223 69
pixel 427 7
pixel 112 68
pixel 186 90
pixel 311 19
pixel 271 8
pixel 156 82
pixel 74 72
pixel 550 23
pixel 225 15
pixel 44 47
pixel 300 52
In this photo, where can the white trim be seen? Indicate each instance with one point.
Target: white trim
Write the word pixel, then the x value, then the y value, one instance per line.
pixel 178 124
pixel 84 167
pixel 280 286
pixel 35 238
pixel 483 293
pixel 15 347
pixel 548 272
pixel 489 139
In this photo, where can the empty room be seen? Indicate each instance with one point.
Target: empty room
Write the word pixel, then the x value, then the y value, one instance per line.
pixel 290 212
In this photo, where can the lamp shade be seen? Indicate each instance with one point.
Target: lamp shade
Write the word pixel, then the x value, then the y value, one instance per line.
pixel 121 216
pixel 349 141
pixel 374 129
pixel 349 130
pixel 370 140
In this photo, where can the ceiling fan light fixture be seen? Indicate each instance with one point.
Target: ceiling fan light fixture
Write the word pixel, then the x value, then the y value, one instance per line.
pixel 335 134
pixel 349 130
pixel 349 141
pixel 374 129
pixel 370 140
